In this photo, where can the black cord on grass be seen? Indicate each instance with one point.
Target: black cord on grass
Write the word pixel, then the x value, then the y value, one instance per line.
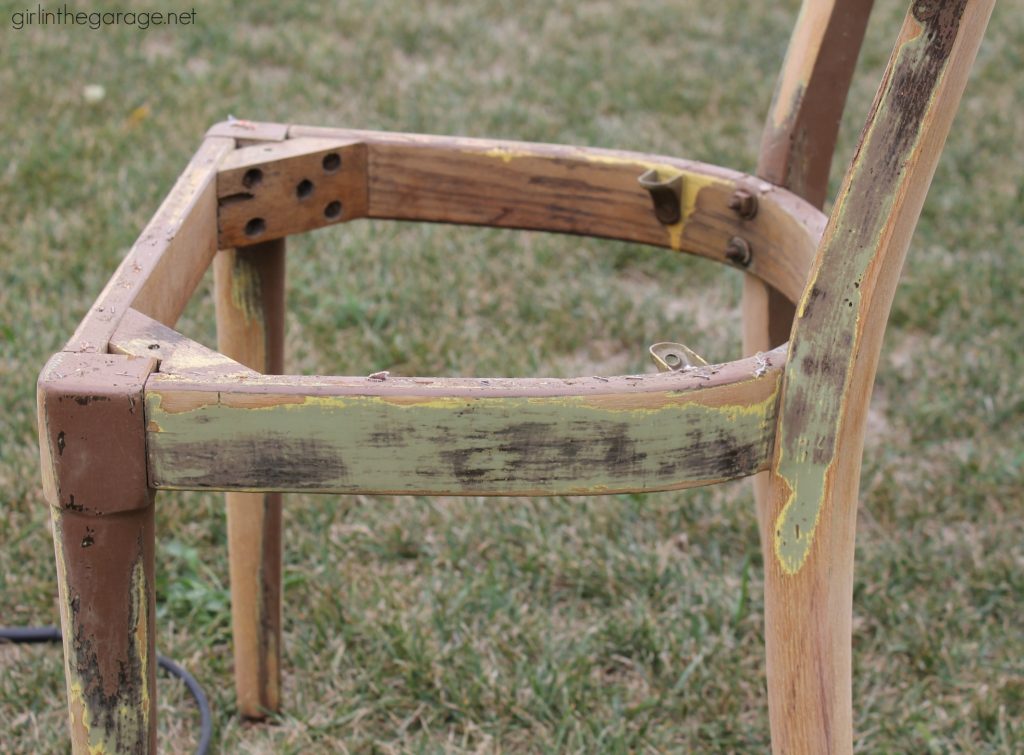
pixel 32 635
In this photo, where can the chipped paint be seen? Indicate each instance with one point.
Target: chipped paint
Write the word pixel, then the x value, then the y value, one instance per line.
pixel 123 725
pixel 245 291
pixel 846 294
pixel 495 445
pixel 139 606
pixel 693 182
pixel 506 154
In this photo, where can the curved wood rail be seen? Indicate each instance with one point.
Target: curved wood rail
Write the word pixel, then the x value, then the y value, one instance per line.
pixel 463 436
pixel 504 184
pixel 466 436
pixel 238 430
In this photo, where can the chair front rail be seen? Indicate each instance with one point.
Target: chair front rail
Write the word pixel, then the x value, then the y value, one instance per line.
pixel 462 436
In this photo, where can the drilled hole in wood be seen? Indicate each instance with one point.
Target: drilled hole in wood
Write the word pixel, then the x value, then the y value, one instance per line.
pixel 252 177
pixel 333 210
pixel 255 227
pixel 332 162
pixel 304 189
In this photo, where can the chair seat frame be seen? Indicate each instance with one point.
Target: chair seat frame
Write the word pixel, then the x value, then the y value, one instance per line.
pixel 130 406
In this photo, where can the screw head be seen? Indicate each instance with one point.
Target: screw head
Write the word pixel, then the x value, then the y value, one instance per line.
pixel 738 251
pixel 743 203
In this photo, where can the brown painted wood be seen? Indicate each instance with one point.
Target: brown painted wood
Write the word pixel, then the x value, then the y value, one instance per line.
pixel 163 267
pixel 837 339
pixel 250 296
pixel 92 448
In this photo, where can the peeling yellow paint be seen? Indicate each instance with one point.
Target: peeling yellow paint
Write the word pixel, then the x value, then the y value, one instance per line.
pixel 140 617
pixel 693 182
pixel 507 155
pixel 245 291
pixel 78 712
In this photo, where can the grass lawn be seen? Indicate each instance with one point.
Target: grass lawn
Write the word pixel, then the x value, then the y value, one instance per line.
pixel 607 624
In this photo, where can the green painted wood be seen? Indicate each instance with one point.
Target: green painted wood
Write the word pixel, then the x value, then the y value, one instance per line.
pixel 842 315
pixel 467 437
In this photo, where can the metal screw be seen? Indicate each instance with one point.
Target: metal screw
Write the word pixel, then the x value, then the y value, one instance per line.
pixel 743 203
pixel 738 251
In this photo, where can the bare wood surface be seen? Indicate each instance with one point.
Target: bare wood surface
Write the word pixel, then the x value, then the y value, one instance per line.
pixel 800 136
pixel 803 122
pixel 797 143
pixel 163 267
pixel 271 190
pixel 585 191
pixel 250 295
pixel 142 336
pixel 827 386
pixel 246 132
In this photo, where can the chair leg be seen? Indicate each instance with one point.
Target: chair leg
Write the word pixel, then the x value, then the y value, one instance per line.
pixel 809 617
pixel 107 615
pixel 250 289
pixel 92 448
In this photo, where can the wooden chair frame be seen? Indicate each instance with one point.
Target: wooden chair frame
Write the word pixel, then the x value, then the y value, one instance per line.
pixel 130 406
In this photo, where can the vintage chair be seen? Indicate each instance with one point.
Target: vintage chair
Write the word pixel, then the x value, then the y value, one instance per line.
pixel 130 407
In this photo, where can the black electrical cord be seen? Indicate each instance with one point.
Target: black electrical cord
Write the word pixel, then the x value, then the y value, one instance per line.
pixel 33 635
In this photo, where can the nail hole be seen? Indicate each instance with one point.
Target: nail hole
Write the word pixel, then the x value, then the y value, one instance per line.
pixel 255 227
pixel 672 359
pixel 333 210
pixel 332 162
pixel 304 189
pixel 252 177
pixel 153 346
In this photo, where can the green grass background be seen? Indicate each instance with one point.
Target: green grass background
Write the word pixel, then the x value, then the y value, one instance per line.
pixel 610 624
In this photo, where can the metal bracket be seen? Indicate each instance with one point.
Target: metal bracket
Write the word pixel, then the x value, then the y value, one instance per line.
pixel 666 193
pixel 675 357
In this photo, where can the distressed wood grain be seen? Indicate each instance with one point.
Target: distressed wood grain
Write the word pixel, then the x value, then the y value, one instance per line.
pixel 92 449
pixel 583 191
pixel 464 436
pixel 141 336
pixel 161 270
pixel 271 190
pixel 799 138
pixel 250 296
pixel 827 387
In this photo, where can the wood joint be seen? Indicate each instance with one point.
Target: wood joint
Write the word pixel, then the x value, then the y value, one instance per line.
pixel 93 432
pixel 269 191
